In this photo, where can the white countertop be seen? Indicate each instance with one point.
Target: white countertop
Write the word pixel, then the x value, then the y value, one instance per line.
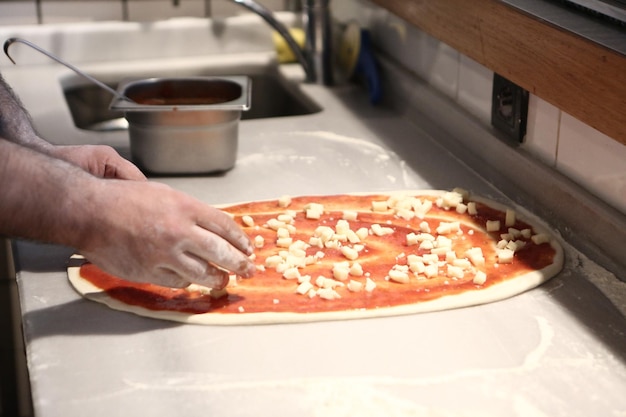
pixel 558 350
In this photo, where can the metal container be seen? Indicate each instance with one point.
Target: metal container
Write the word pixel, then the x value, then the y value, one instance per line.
pixel 184 125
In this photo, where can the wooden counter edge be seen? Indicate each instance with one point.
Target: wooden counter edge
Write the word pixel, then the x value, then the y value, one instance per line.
pixel 580 77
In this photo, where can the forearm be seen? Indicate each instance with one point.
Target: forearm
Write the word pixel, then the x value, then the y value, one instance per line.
pixel 15 122
pixel 39 196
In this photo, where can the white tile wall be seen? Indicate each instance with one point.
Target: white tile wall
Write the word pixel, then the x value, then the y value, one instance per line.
pixel 65 12
pixel 475 85
pixel 150 10
pixel 18 13
pixel 542 130
pixel 592 159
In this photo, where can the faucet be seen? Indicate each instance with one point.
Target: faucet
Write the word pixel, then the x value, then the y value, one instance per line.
pixel 316 57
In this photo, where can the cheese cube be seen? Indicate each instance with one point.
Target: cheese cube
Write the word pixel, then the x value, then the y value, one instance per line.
pixel 379 206
pixel 369 285
pixel 379 230
pixel 540 238
pixel 480 278
pixel 259 241
pixel 405 214
pixel 356 270
pixel 275 224
pixel 284 242
pixel 352 237
pixel 417 267
pixel 291 273
pixel 313 214
pixel 431 270
pixel 462 263
pixel 411 239
pixel 445 228
pixel 399 273
pixel 273 261
pixel 509 218
pixel 354 286
pixel 505 256
pixel 455 272
pixel 328 294
pixel 461 208
pixel 304 287
pixel 362 233
pixel 342 227
pixel 430 258
pixel 284 201
pixel 349 252
pixel 476 256
pixel 492 225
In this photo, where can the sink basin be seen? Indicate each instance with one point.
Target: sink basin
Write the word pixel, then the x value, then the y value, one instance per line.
pixel 272 96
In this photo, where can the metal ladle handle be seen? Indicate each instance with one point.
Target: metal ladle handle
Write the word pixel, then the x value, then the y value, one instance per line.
pixel 10 41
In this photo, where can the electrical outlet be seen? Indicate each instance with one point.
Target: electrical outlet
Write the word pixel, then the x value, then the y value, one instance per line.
pixel 509 108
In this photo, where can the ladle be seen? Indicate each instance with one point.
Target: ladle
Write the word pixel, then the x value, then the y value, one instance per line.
pixel 10 41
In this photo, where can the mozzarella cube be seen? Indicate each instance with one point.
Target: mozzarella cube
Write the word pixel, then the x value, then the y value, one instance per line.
pixel 356 270
pixel 509 219
pixel 492 225
pixel 273 261
pixel 480 278
pixel 284 201
pixel 328 294
pixel 540 238
pixel 399 273
pixel 505 256
pixel 411 239
pixel 304 287
pixel 455 272
pixel 354 286
pixel 259 241
pixel 350 215
pixel 379 206
pixel 291 273
pixel 284 242
pixel 369 285
pixel 379 230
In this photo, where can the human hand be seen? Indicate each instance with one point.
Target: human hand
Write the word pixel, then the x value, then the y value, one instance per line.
pixel 149 232
pixel 99 160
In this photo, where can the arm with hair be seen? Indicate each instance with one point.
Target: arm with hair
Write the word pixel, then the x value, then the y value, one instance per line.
pixel 16 126
pixel 136 230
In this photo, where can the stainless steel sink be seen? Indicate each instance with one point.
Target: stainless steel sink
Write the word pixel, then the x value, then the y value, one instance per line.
pixel 272 96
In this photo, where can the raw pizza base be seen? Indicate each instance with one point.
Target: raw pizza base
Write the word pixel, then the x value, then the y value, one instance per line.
pixel 493 293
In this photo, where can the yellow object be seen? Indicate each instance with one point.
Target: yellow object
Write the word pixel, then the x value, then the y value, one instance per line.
pixel 282 47
pixel 349 48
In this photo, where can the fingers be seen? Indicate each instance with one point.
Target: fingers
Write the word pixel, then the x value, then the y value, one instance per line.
pixel 122 169
pixel 221 224
pixel 99 160
pixel 211 247
pixel 191 269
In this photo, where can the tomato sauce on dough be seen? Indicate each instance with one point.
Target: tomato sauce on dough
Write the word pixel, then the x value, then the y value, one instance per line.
pixel 269 291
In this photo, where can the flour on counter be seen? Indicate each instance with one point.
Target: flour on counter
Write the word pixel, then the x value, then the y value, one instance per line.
pixel 327 157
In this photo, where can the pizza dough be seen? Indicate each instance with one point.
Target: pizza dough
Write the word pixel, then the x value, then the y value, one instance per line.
pixel 418 254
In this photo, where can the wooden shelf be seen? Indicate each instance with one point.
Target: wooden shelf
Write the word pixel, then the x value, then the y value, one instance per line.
pixel 576 75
